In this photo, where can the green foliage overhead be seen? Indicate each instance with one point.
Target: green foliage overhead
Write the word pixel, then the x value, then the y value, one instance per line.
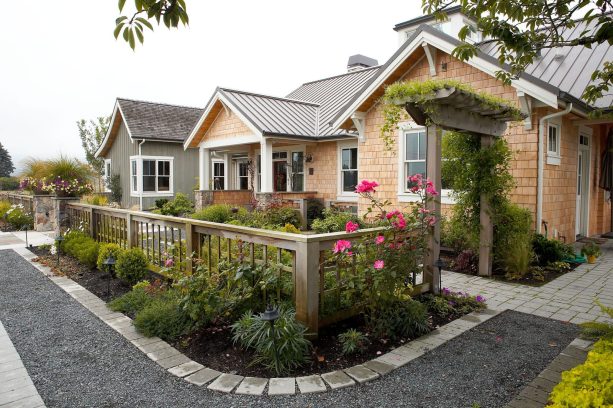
pixel 521 29
pixel 6 162
pixel 170 12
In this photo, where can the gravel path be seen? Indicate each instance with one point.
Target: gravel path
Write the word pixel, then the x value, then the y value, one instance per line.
pixel 75 360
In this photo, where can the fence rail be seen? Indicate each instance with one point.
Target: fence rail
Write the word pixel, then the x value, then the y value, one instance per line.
pixel 26 200
pixel 317 290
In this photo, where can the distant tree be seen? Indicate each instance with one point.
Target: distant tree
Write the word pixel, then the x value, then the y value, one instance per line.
pixel 171 12
pixel 522 28
pixel 6 162
pixel 92 133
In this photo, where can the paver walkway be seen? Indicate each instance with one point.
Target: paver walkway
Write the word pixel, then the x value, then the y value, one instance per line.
pixel 568 298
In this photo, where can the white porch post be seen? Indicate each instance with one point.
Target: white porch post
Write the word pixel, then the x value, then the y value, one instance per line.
pixel 226 169
pixel 205 169
pixel 266 165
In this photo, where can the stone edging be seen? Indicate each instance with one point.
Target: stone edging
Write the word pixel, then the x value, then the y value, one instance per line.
pixel 195 373
pixel 536 394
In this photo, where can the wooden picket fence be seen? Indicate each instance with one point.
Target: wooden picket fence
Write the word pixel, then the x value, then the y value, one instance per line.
pixel 304 257
pixel 16 199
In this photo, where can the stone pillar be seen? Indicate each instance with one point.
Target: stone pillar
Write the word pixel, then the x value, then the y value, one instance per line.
pixel 43 210
pixel 61 220
pixel 266 165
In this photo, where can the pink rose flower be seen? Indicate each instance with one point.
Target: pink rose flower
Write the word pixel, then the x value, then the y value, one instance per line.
pixel 379 264
pixel 366 186
pixel 169 263
pixel 351 226
pixel 341 245
pixel 379 240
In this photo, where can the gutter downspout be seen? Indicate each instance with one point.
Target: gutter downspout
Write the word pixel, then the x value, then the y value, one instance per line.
pixel 541 163
pixel 140 193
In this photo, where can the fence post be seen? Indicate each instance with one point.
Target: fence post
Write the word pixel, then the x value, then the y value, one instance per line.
pixel 303 212
pixel 307 285
pixel 130 232
pixel 92 228
pixel 190 237
pixel 433 171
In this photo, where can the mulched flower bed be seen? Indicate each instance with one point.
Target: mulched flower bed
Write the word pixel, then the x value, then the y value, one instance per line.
pixel 213 346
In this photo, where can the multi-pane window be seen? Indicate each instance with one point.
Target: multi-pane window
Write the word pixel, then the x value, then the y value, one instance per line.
pixel 297 171
pixel 349 169
pixel 553 139
pixel 149 175
pixel 219 175
pixel 163 176
pixel 134 174
pixel 243 175
pixel 414 154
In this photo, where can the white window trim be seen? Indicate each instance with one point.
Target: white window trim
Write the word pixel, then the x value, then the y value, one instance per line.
pixel 237 176
pixel 225 173
pixel 346 195
pixel 405 196
pixel 289 150
pixel 554 158
pixel 107 175
pixel 134 189
pixel 139 169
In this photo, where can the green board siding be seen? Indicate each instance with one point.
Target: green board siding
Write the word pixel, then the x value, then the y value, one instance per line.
pixel 185 164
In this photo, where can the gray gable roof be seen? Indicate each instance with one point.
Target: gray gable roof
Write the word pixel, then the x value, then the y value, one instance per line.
pixel 158 121
pixel 569 69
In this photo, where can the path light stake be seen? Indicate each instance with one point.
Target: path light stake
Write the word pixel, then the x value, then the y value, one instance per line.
pixel 25 227
pixel 109 264
pixel 440 264
pixel 58 245
pixel 271 315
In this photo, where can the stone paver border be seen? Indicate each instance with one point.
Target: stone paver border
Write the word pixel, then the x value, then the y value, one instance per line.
pixel 16 388
pixel 181 366
pixel 536 394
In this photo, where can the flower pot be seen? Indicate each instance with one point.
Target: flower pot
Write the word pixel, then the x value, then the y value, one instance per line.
pixel 591 259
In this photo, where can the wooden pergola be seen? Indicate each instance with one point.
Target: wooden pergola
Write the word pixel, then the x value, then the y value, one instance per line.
pixel 451 108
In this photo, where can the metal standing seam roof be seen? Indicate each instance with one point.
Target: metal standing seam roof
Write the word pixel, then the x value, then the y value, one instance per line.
pixel 569 68
pixel 158 121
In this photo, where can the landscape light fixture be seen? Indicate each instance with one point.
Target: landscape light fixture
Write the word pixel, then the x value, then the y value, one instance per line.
pixel 109 264
pixel 440 264
pixel 271 314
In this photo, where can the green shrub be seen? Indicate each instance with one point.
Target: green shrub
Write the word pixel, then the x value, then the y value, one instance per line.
pixel 181 205
pixel 548 251
pixel 353 341
pixel 334 221
pixel 599 329
pixel 132 302
pixel 281 216
pixel 453 304
pixel 160 202
pixel 18 218
pixel 114 184
pixel 4 207
pixel 399 318
pixel 164 318
pixel 587 385
pixel 516 258
pixel 512 225
pixel 221 213
pixel 9 183
pixel 105 251
pixel 251 331
pixel 96 199
pixel 132 265
pixel 82 247
pixel 456 235
pixel 314 211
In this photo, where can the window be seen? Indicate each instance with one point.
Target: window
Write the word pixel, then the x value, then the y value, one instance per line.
pixel 107 174
pixel 219 175
pixel 148 175
pixel 553 139
pixel 349 169
pixel 297 171
pixel 163 175
pixel 134 175
pixel 414 155
pixel 243 175
pixel 279 155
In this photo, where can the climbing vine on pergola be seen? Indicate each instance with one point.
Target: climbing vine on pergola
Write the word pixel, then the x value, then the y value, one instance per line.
pixel 449 105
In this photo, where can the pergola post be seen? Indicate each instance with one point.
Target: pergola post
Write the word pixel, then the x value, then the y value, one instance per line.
pixel 433 172
pixel 486 237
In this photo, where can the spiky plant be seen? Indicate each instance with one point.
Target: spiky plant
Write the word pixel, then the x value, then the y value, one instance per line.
pixel 595 330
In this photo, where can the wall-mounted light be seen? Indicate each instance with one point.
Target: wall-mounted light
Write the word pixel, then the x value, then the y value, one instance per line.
pixel 308 158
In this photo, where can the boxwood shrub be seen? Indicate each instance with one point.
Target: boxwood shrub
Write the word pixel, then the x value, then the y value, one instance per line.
pixel 132 265
pixel 105 251
pixel 163 317
pixel 82 247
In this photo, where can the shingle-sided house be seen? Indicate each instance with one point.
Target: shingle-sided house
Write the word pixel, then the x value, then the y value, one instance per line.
pixel 323 137
pixel 144 146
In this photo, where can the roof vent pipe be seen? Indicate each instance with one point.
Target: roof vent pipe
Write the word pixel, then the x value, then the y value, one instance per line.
pixel 358 62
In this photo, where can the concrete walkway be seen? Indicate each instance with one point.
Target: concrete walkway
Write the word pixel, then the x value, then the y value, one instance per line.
pixel 567 298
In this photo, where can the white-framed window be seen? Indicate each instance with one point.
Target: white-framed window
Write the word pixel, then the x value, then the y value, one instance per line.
pixel 348 169
pixel 219 175
pixel 134 176
pixel 414 155
pixel 107 174
pixel 288 169
pixel 242 175
pixel 554 141
pixel 151 175
pixel 297 174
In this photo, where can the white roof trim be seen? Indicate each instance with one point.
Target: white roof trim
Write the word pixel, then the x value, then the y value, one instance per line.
pixel 546 96
pixel 218 96
pixel 110 128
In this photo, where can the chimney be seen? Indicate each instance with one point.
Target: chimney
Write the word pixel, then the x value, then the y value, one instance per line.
pixel 358 62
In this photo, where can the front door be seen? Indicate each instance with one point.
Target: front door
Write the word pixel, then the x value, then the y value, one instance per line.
pixel 279 171
pixel 583 186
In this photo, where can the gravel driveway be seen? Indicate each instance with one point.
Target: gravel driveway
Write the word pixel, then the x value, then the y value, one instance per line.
pixel 76 360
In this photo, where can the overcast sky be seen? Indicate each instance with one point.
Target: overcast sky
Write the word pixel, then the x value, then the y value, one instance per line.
pixel 61 63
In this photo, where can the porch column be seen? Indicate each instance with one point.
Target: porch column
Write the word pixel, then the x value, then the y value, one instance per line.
pixel 433 172
pixel 486 237
pixel 266 165
pixel 205 169
pixel 226 170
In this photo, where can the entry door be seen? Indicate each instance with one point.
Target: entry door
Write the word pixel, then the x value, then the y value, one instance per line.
pixel 583 186
pixel 279 171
